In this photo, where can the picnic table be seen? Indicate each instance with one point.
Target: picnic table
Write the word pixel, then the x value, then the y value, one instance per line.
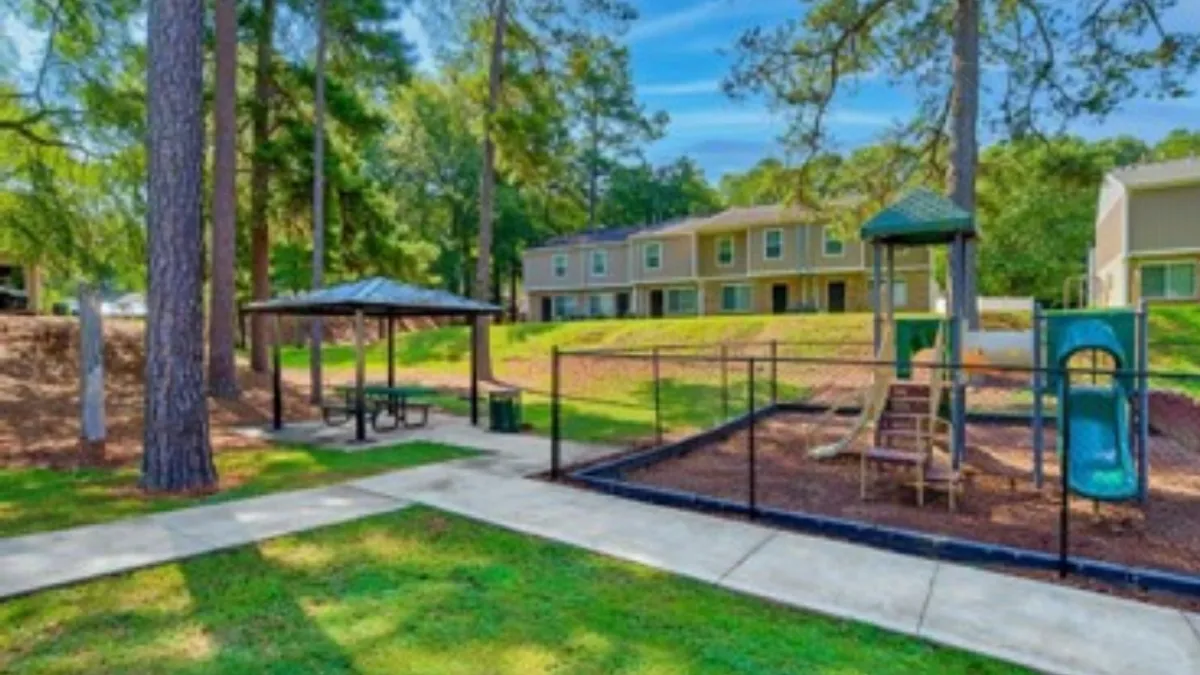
pixel 397 401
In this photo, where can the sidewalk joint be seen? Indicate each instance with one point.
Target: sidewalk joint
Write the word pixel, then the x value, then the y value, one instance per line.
pixel 753 549
pixel 937 568
pixel 1194 624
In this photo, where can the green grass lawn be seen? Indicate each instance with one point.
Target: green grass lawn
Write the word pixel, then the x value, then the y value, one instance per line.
pixel 35 500
pixel 421 592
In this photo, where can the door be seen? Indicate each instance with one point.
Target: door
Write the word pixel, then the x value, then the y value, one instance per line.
pixel 622 304
pixel 837 296
pixel 656 303
pixel 547 308
pixel 779 298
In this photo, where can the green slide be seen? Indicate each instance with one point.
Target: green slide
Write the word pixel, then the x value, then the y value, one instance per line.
pixel 1101 461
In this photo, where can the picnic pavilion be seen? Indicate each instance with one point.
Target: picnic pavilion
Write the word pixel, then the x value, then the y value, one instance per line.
pixel 378 298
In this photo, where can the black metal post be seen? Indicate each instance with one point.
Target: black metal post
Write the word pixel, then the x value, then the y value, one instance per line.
pixel 657 400
pixel 474 373
pixel 725 382
pixel 555 431
pixel 1064 516
pixel 277 382
pixel 391 359
pixel 752 487
pixel 774 371
pixel 360 376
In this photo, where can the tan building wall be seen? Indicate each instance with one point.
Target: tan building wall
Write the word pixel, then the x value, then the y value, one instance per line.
pixel 706 247
pixel 793 242
pixel 764 293
pixel 644 294
pixel 676 258
pixel 815 258
pixel 1109 232
pixel 539 268
pixel 1163 219
pixel 618 265
pixel 905 256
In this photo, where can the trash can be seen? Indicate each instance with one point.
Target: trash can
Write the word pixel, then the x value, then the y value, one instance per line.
pixel 504 411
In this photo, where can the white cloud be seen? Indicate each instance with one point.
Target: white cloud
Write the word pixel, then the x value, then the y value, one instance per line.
pixel 679 20
pixel 681 88
pixel 415 33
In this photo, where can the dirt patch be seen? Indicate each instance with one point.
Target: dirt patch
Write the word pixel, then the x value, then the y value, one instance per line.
pixel 39 395
pixel 1000 506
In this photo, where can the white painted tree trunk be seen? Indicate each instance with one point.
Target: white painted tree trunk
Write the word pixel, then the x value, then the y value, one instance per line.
pixel 91 374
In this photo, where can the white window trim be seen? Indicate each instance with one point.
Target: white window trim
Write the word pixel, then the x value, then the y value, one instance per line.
pixel 825 239
pixel 732 250
pixel 1166 265
pixel 565 265
pixel 750 296
pixel 766 246
pixel 592 263
pixel 646 248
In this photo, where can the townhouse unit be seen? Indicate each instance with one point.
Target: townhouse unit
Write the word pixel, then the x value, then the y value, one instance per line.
pixel 748 260
pixel 1147 235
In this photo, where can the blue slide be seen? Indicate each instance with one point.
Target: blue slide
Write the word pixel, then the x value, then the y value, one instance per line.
pixel 1101 462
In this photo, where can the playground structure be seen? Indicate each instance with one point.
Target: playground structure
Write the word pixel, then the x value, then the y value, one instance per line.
pixel 841 416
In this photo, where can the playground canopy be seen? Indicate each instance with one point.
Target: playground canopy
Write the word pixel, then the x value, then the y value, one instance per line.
pixel 919 218
pixel 377 297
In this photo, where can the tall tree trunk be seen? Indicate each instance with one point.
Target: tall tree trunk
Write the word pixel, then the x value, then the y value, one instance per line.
pixel 487 190
pixel 593 165
pixel 318 235
pixel 177 454
pixel 260 178
pixel 964 123
pixel 91 376
pixel 222 367
pixel 512 294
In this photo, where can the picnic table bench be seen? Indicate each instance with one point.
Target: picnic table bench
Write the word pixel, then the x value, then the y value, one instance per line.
pixel 397 401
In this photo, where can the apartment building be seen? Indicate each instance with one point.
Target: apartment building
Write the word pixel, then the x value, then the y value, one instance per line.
pixel 1147 235
pixel 745 260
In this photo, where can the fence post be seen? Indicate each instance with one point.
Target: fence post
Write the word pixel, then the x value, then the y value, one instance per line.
pixel 657 400
pixel 725 382
pixel 555 431
pixel 1064 432
pixel 774 371
pixel 752 487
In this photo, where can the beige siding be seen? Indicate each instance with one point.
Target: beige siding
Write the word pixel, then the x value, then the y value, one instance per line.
pixel 1164 219
pixel 618 266
pixel 676 259
pixel 905 256
pixel 790 260
pixel 1109 231
pixel 712 295
pixel 539 268
pixel 918 299
pixel 707 248
pixel 852 254
pixel 764 292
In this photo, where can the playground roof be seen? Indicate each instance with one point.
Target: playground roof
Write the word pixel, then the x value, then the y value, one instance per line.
pixel 376 296
pixel 919 218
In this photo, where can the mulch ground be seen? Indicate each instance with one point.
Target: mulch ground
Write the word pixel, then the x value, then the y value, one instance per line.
pixel 1000 506
pixel 39 396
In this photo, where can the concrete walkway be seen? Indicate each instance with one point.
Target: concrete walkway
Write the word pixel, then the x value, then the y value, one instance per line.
pixel 1044 626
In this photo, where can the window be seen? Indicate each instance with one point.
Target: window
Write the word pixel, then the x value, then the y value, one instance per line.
pixel 599 263
pixel 773 244
pixel 560 265
pixel 735 298
pixel 725 251
pixel 1169 281
pixel 564 306
pixel 652 255
pixel 602 304
pixel 831 244
pixel 681 301
pixel 899 292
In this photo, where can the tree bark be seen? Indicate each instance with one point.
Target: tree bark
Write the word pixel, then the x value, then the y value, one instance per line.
pixel 222 366
pixel 91 376
pixel 593 166
pixel 260 178
pixel 964 123
pixel 318 259
pixel 177 454
pixel 487 189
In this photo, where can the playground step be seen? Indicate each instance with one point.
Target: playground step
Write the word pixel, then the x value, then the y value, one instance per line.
pixel 909 390
pixel 895 456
